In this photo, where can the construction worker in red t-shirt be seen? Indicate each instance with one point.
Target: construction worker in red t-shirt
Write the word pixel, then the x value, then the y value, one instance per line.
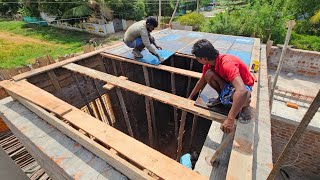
pixel 229 76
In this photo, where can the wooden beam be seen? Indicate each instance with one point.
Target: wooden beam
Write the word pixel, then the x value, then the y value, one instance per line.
pixel 181 133
pixel 61 63
pixel 128 147
pixel 107 155
pixel 160 67
pixel 175 111
pixel 220 149
pixel 22 91
pixel 185 55
pixel 164 97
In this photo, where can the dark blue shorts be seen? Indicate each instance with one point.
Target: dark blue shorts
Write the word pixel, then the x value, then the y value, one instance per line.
pixel 135 43
pixel 227 93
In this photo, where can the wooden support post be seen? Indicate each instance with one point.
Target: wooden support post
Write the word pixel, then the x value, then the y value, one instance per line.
pixel 220 149
pixel 175 111
pixel 107 116
pixel 296 136
pixel 84 97
pixel 124 111
pixel 193 130
pixel 181 132
pixel 149 102
pixel 122 104
pixel 283 53
pixel 189 78
pixel 128 101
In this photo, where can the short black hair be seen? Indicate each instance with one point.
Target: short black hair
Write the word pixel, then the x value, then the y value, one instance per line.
pixel 152 21
pixel 204 49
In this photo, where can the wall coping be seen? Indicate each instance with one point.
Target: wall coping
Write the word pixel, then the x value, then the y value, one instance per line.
pixel 297 50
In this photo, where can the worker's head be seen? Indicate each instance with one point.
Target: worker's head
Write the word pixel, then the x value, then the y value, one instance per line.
pixel 151 23
pixel 204 51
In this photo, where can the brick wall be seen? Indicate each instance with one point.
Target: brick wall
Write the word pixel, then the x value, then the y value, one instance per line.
pixel 296 61
pixel 307 148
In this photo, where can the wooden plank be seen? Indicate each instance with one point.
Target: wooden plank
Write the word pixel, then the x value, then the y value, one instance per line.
pixel 160 67
pixel 167 98
pixel 33 93
pixel 220 149
pixel 107 155
pixel 241 158
pixel 61 63
pixel 135 151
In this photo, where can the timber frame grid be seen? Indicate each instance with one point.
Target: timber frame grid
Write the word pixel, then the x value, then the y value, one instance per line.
pixel 110 144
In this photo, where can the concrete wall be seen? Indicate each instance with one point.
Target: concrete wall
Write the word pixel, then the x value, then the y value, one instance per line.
pixel 307 150
pixel 296 61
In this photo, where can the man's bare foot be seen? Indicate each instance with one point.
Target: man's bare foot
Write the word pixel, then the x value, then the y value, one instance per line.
pixel 245 115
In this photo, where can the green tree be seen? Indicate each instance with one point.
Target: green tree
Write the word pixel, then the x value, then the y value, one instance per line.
pixel 9 9
pixel 192 19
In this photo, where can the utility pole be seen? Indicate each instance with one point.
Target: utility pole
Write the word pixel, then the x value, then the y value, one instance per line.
pixel 198 6
pixel 159 27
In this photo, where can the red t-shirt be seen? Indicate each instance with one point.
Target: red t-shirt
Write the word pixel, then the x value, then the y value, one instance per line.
pixel 229 67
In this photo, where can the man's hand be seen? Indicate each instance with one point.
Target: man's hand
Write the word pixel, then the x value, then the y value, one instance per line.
pixel 159 48
pixel 228 125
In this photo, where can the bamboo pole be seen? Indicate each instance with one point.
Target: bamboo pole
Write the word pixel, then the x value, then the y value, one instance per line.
pixel 193 130
pixel 296 136
pixel 174 12
pixel 175 111
pixel 281 61
pixel 181 132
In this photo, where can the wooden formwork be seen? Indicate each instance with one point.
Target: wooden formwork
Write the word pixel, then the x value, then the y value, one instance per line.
pixel 129 156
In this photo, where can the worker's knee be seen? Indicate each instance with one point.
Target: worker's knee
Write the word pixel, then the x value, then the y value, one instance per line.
pixel 210 75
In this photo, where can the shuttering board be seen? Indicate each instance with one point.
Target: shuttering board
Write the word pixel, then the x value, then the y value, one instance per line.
pixel 135 151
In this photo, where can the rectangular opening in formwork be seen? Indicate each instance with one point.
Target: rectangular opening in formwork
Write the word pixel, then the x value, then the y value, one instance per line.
pixel 144 102
pixel 139 112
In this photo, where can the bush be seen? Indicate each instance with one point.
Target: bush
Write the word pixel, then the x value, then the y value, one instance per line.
pixel 307 42
pixel 192 19
pixel 254 21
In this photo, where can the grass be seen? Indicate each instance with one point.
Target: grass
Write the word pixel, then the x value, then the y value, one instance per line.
pixel 55 42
